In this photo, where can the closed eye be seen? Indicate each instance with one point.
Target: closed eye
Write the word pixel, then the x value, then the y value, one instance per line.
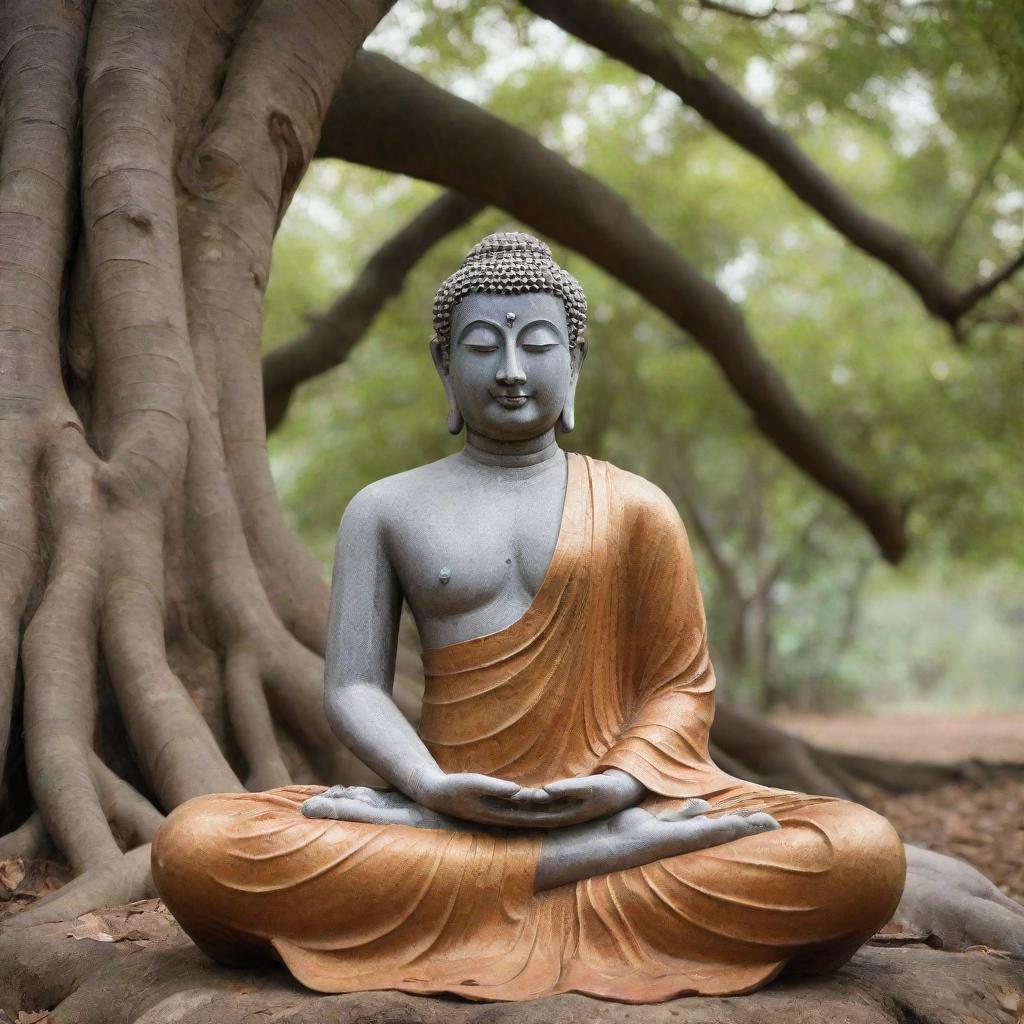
pixel 539 336
pixel 480 337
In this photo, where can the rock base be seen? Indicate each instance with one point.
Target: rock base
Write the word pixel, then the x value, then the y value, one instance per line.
pixel 133 965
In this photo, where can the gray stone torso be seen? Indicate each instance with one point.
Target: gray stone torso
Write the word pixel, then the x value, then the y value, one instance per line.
pixel 491 530
pixel 467 541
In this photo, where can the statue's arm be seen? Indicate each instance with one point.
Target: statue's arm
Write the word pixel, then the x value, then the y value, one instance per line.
pixel 362 639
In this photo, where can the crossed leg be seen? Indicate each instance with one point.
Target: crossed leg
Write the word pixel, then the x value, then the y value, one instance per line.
pixel 247 872
pixel 628 839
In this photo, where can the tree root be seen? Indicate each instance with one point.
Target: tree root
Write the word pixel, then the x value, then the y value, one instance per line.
pixel 123 878
pixel 130 475
pixel 127 810
pixel 907 776
pixel 958 906
pixel 28 841
pixel 252 721
pixel 756 750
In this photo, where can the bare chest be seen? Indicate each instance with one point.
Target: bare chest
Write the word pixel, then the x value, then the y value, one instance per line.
pixel 470 563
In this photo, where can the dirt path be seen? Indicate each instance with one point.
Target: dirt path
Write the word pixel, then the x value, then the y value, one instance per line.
pixel 919 737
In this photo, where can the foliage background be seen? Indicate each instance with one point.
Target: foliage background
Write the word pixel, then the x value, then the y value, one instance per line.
pixel 915 108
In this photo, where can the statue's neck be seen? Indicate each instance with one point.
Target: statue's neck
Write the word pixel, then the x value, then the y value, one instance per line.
pixel 489 451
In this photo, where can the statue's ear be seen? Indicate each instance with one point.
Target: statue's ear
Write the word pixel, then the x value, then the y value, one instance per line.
pixel 455 421
pixel 568 418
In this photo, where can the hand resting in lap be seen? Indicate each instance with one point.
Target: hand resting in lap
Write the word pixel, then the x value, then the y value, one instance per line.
pixel 625 838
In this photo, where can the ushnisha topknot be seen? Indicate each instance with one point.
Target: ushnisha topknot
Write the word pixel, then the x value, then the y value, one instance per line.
pixel 509 263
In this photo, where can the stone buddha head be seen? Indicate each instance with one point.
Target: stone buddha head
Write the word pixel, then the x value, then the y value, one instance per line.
pixel 508 339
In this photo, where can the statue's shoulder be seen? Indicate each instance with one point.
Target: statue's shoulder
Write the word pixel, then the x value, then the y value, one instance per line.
pixel 395 495
pixel 638 496
pixel 649 517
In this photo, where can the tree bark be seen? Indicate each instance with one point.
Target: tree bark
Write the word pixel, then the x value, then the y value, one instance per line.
pixel 156 610
pixel 642 41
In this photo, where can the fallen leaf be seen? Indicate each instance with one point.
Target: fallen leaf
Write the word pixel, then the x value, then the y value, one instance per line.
pixel 1009 1001
pixel 139 922
pixel 11 873
pixel 91 927
pixel 145 906
pixel 32 1016
pixel 1001 954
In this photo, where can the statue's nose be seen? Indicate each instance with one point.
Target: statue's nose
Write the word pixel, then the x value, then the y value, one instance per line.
pixel 510 371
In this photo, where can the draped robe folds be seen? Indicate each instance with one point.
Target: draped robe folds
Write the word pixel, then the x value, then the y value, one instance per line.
pixel 607 668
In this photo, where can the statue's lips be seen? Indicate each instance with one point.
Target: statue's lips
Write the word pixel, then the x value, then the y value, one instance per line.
pixel 511 401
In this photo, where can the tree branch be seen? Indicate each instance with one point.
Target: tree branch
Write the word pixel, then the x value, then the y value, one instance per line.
pixel 388 117
pixel 332 336
pixel 945 248
pixel 985 288
pixel 699 521
pixel 638 39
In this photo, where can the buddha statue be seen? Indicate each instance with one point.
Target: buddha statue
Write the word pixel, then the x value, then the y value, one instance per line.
pixel 555 822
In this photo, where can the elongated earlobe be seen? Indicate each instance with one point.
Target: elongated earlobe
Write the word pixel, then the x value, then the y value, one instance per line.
pixel 567 420
pixel 455 422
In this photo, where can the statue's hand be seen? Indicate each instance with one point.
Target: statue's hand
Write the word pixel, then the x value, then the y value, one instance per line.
pixel 482 798
pixel 594 796
pixel 372 807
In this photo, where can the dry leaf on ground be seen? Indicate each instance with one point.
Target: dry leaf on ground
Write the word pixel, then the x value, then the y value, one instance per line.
pixel 11 874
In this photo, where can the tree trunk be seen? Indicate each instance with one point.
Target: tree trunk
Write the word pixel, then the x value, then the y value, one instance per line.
pixel 150 586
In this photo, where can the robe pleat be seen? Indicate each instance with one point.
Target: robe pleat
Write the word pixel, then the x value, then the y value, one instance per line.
pixel 607 668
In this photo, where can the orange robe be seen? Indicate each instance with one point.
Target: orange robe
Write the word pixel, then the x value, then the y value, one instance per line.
pixel 607 668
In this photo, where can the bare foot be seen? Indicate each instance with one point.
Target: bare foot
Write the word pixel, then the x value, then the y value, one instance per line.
pixel 375 807
pixel 635 836
pixel 685 829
